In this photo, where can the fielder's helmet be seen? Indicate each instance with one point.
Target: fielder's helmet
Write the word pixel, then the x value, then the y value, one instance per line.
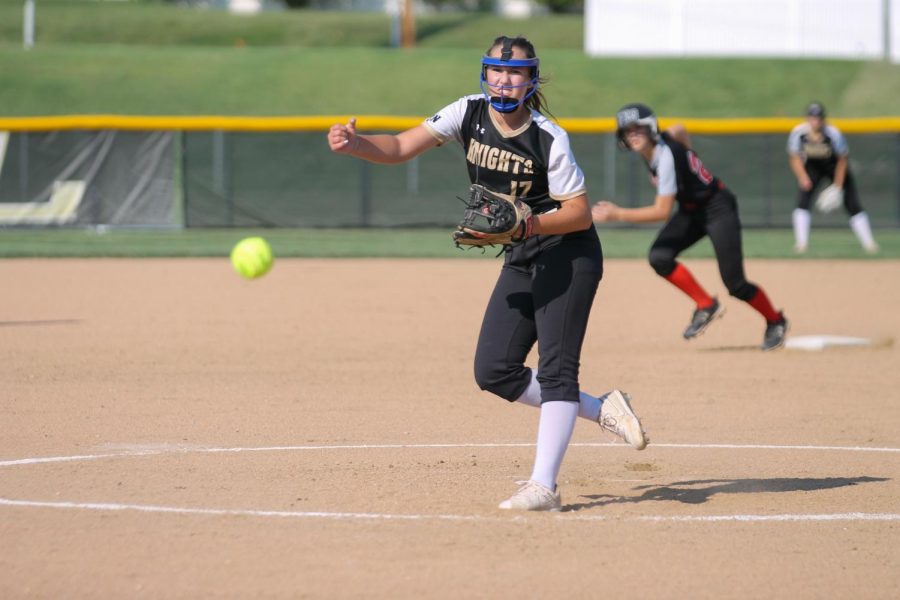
pixel 635 114
pixel 502 103
pixel 815 109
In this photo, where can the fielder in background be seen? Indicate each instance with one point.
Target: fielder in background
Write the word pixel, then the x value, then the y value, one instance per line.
pixel 547 284
pixel 705 207
pixel 818 151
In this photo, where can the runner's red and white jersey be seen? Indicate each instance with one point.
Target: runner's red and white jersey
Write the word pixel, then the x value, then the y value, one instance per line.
pixel 679 172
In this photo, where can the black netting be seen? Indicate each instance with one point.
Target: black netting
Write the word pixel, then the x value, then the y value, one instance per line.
pixel 282 179
pixel 88 177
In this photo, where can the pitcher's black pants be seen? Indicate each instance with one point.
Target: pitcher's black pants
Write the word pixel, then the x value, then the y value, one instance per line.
pixel 544 294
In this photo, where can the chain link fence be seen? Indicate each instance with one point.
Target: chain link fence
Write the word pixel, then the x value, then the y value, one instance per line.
pixel 221 178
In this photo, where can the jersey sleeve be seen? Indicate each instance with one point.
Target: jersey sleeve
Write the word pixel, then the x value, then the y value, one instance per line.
pixel 446 124
pixel 666 178
pixel 565 179
pixel 794 142
pixel 838 141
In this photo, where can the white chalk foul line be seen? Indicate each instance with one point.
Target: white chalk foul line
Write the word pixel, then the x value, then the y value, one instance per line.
pixel 531 445
pixel 56 459
pixel 111 506
pixel 854 516
pixel 775 447
pixel 193 449
pixel 108 506
pixel 169 449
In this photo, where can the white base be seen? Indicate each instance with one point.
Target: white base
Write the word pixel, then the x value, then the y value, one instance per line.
pixel 820 342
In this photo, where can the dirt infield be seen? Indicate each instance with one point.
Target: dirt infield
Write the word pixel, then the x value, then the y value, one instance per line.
pixel 170 430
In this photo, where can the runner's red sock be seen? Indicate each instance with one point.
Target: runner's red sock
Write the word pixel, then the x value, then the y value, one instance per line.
pixel 684 281
pixel 762 304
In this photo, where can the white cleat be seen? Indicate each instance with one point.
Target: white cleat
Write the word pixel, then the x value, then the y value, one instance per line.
pixel 616 416
pixel 533 496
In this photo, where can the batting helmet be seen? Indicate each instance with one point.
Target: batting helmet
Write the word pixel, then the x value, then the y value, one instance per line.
pixel 635 114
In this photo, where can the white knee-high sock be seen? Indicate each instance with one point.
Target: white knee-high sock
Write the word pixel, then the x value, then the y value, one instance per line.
pixel 588 406
pixel 859 223
pixel 554 432
pixel 802 220
pixel 532 394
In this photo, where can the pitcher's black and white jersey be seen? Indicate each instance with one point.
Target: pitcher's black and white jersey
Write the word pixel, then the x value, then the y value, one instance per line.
pixel 534 163
pixel 680 173
pixel 821 155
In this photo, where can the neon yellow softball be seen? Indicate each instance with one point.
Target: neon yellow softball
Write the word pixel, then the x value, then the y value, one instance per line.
pixel 252 257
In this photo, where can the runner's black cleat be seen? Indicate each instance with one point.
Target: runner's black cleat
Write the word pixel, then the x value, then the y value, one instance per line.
pixel 775 334
pixel 702 318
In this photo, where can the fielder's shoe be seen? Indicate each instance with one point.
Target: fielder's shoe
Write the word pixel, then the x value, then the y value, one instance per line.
pixel 616 416
pixel 533 496
pixel 775 334
pixel 702 318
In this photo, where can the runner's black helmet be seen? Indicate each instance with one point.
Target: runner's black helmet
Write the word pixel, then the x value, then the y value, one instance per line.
pixel 635 114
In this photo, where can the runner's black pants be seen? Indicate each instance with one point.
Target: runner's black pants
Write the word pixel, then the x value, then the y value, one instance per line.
pixel 718 219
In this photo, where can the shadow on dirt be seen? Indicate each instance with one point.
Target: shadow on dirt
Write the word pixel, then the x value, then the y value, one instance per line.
pixel 699 491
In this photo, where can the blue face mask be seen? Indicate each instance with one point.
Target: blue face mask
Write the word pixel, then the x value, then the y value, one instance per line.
pixel 505 104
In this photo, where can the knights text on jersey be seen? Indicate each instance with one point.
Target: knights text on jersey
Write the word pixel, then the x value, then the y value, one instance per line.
pixel 679 172
pixel 822 150
pixel 534 163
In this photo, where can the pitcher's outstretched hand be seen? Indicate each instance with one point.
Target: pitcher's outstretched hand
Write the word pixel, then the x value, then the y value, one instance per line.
pixel 342 138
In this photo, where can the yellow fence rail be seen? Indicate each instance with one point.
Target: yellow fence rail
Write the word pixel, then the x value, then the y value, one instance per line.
pixel 387 123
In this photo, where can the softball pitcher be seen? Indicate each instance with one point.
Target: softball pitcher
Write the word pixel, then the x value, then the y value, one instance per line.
pixel 548 280
pixel 705 207
pixel 817 151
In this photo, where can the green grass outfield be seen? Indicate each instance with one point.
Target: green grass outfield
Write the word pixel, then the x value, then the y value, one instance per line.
pixel 92 79
pixel 401 243
pixel 160 59
pixel 159 23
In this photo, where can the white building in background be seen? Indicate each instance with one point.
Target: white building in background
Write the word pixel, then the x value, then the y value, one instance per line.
pixel 248 7
pixel 245 7
pixel 519 9
pixel 852 29
pixel 508 8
